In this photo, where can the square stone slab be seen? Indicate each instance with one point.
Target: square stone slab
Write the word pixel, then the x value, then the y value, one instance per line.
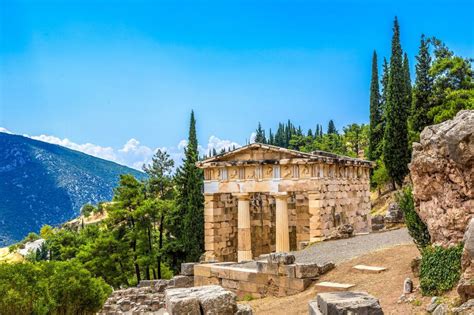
pixel 326 286
pixel 369 269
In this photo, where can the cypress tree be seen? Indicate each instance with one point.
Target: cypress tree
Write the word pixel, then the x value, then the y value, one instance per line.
pixel 260 135
pixel 422 90
pixel 190 200
pixel 376 131
pixel 395 149
pixel 331 127
pixel 408 93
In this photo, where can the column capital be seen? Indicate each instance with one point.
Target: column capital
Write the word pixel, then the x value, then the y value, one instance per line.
pixel 280 195
pixel 241 196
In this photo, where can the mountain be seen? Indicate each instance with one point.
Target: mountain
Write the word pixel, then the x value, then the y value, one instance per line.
pixel 43 183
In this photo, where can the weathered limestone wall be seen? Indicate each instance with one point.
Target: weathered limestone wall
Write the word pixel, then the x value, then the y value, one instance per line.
pixel 220 227
pixel 342 198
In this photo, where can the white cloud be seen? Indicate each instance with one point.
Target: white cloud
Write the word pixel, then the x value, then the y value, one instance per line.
pixel 132 153
pixel 4 130
pixel 253 135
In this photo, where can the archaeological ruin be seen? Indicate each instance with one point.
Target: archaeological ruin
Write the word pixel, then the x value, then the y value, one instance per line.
pixel 261 199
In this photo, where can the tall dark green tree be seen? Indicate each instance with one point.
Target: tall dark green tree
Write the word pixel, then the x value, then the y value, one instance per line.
pixel 408 89
pixel 376 126
pixel 331 127
pixel 190 200
pixel 260 135
pixel 395 149
pixel 422 90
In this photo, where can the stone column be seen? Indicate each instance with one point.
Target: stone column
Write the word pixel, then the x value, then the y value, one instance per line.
pixel 315 204
pixel 212 214
pixel 282 234
pixel 244 246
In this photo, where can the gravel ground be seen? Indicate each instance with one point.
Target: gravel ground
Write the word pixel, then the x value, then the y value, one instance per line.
pixel 338 251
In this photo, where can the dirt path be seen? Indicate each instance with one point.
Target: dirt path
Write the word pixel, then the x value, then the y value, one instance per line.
pixel 341 250
pixel 386 286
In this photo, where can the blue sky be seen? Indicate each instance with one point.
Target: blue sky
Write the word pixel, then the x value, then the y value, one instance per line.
pixel 104 72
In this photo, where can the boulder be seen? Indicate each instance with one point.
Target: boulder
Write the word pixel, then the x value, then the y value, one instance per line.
pixel 465 309
pixel 335 303
pixel 442 176
pixel 181 282
pixel 211 299
pixel 441 309
pixel 394 214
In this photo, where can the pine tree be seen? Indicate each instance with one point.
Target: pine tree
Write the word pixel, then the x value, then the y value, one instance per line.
pixel 423 88
pixel 190 201
pixel 331 128
pixel 271 138
pixel 376 131
pixel 384 94
pixel 260 135
pixel 395 149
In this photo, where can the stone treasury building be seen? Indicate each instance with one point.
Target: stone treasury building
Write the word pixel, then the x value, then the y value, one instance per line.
pixel 261 198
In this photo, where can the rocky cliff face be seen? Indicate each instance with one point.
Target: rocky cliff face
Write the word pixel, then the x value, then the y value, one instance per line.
pixel 443 178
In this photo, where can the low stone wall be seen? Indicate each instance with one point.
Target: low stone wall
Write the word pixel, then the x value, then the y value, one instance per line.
pixel 278 275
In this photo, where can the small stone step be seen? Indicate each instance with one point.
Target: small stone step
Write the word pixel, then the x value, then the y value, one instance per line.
pixel 369 269
pixel 326 286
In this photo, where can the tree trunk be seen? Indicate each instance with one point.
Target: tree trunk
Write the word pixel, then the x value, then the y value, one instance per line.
pixel 160 246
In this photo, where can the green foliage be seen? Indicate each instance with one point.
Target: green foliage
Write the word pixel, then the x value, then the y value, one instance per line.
pixel 396 154
pixel 87 210
pixel 422 90
pixel 453 83
pixel 50 288
pixel 260 135
pixel 416 228
pixel 380 176
pixel 189 224
pixel 376 114
pixel 440 269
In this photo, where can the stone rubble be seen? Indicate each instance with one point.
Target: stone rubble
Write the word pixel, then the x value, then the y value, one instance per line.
pixel 394 214
pixel 465 309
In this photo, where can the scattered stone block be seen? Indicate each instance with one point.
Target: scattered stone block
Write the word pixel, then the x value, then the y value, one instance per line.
pixel 182 281
pixel 183 305
pixel 326 286
pixel 244 309
pixel 369 269
pixel 306 270
pixel 348 303
pixel 407 286
pixel 212 299
pixel 313 308
pixel 326 267
pixel 281 258
pixel 187 269
pixel 433 304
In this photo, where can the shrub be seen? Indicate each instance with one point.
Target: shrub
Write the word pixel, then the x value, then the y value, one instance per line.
pixel 50 288
pixel 440 269
pixel 416 228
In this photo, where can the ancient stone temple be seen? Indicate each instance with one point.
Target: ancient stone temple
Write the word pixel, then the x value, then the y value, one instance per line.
pixel 261 199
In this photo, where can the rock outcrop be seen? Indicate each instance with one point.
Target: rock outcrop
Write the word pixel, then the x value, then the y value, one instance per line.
pixel 443 178
pixel 466 284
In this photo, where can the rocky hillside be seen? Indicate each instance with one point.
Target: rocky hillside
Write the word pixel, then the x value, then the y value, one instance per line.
pixel 43 183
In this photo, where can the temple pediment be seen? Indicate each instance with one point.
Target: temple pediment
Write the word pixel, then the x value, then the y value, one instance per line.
pixel 257 153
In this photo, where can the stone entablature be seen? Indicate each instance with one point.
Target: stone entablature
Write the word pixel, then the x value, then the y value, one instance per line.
pixel 285 196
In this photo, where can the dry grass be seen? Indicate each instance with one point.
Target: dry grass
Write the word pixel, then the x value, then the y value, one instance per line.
pixel 6 256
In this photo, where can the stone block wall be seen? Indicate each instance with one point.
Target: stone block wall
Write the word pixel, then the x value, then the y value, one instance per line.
pixel 220 227
pixel 262 222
